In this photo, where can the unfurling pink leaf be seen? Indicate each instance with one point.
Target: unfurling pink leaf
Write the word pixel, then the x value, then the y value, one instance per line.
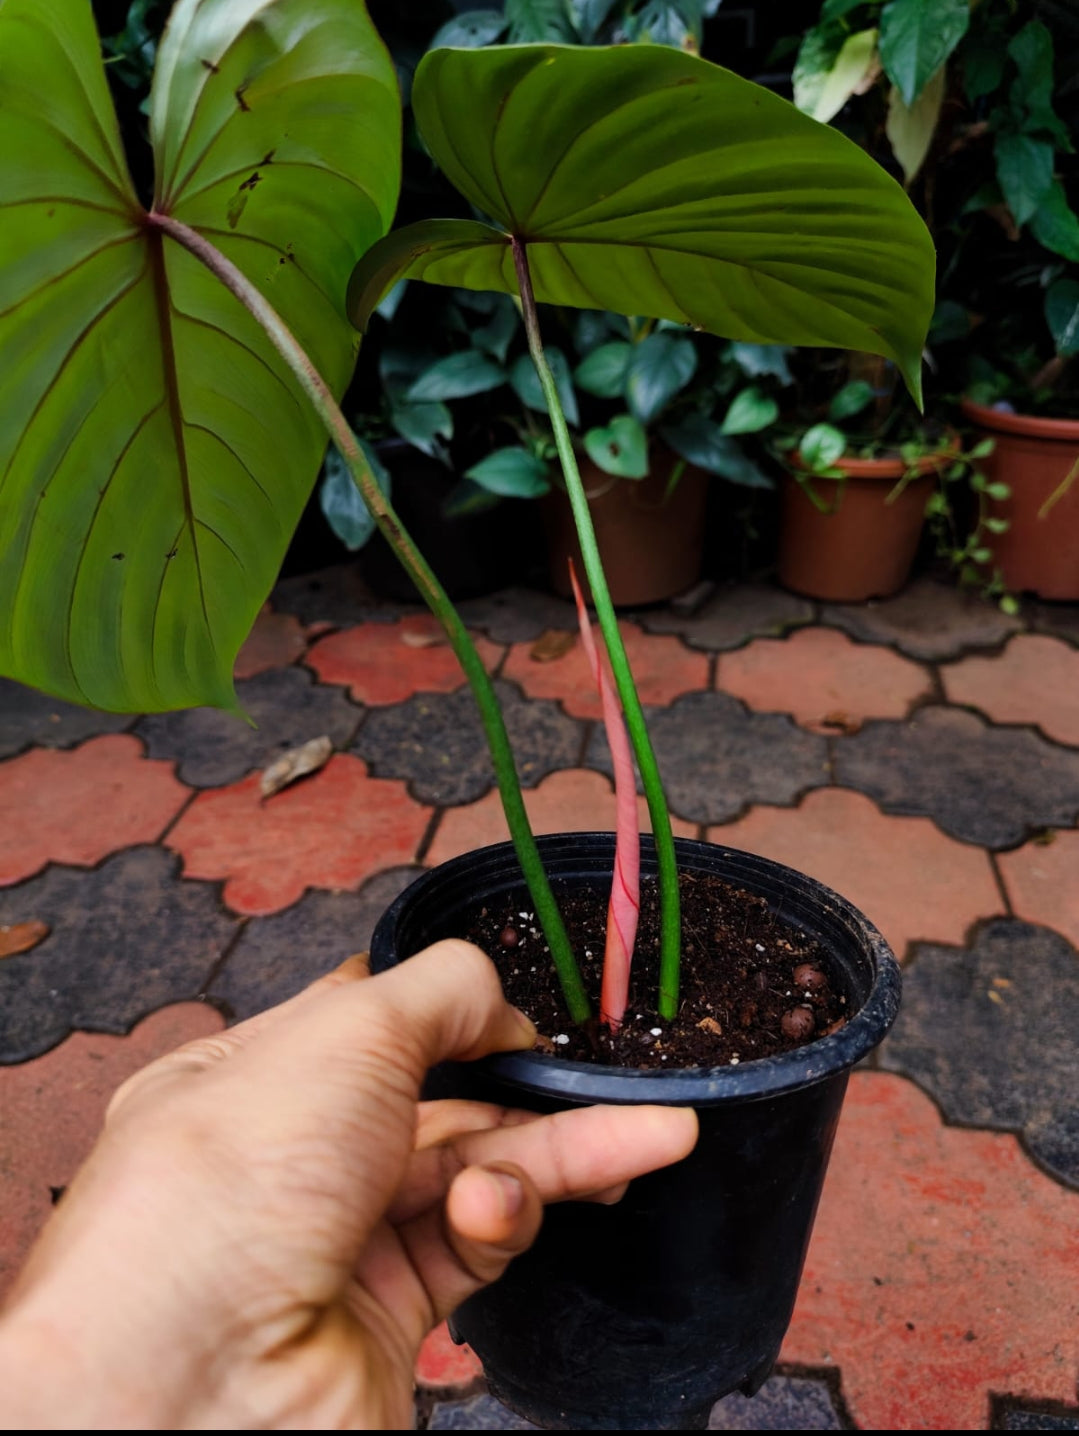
pixel 625 905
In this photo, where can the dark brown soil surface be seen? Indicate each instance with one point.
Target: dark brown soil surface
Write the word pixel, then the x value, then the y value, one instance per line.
pixel 740 998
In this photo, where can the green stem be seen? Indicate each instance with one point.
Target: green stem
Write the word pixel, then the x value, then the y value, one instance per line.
pixel 669 903
pixel 430 590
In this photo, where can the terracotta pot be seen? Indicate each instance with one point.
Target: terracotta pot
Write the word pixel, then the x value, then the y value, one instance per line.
pixel 1040 549
pixel 862 546
pixel 651 544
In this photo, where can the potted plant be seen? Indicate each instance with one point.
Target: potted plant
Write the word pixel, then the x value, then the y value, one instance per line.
pixel 1013 289
pixel 863 465
pixel 144 342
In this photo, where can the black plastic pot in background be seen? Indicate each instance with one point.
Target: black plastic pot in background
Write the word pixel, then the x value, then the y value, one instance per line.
pixel 642 1315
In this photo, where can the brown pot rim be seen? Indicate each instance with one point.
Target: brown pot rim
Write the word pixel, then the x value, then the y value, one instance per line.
pixel 1030 425
pixel 884 470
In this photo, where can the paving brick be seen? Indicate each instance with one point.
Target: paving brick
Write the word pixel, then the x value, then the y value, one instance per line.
pixel 78 806
pixel 990 1032
pixel 1042 881
pixel 276 640
pixel 734 616
pixel 278 956
pixel 288 706
pixel 986 785
pixel 381 663
pixel 663 668
pixel 1059 619
pixel 928 620
pixel 576 800
pixel 784 1403
pixel 51 1110
pixel 518 615
pixel 32 719
pixel 333 830
pixel 436 742
pixel 908 878
pixel 1033 1420
pixel 125 939
pixel 823 679
pixel 943 1268
pixel 442 1365
pixel 1034 680
pixel 481 1413
pixel 336 595
pixel 716 759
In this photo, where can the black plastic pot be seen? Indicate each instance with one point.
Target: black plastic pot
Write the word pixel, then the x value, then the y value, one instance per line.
pixel 640 1316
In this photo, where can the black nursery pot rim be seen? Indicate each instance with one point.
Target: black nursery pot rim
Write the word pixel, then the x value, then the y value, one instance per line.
pixel 491 869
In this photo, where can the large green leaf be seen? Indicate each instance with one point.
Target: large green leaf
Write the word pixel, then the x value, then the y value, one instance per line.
pixel 651 182
pixel 155 453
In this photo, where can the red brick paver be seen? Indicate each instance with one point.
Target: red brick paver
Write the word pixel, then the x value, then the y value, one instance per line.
pixel 943 1267
pixel 276 640
pixel 445 1366
pixel 910 879
pixel 51 1110
pixel 77 806
pixel 822 678
pixel 388 662
pixel 662 665
pixel 1035 680
pixel 331 830
pixel 1042 882
pixel 576 800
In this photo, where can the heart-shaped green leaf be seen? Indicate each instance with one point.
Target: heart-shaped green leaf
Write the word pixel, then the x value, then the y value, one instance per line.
pixel 661 366
pixel 511 473
pixel 155 453
pixel 700 441
pixel 648 181
pixel 620 449
pixel 603 372
pixel 527 386
pixel 456 377
pixel 749 412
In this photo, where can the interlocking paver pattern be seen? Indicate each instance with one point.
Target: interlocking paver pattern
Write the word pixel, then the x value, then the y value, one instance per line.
pixel 940 794
pixel 986 785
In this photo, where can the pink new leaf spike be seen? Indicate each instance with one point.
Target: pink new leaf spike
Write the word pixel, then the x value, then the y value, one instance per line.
pixel 625 905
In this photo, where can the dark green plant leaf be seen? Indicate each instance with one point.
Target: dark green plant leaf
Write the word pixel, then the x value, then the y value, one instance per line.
pixel 659 368
pixel 1056 225
pixel 759 359
pixel 496 336
pixel 590 15
pixel 701 442
pixel 1031 92
pixel 603 373
pixel 1062 314
pixel 950 321
pixel 750 412
pixel 511 474
pixel 651 182
pixel 850 400
pixel 916 38
pixel 533 20
pixel 668 22
pixel 456 376
pixel 983 65
pixel 821 446
pixel 526 384
pixel 467 498
pixel 1025 172
pixel 473 28
pixel 155 454
pixel 341 501
pixel 595 327
pixel 423 425
pixel 621 448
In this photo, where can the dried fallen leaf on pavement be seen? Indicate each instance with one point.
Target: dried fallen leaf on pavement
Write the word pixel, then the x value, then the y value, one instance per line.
pixel 296 763
pixel 21 937
pixel 552 644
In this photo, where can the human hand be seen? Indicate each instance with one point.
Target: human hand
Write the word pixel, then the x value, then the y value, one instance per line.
pixel 271 1221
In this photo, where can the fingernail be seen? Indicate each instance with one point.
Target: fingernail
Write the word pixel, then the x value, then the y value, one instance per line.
pixel 511 1193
